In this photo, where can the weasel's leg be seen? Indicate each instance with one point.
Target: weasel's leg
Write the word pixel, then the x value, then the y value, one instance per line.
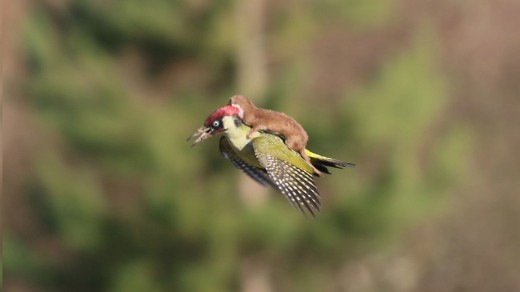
pixel 253 129
pixel 308 160
pixel 297 144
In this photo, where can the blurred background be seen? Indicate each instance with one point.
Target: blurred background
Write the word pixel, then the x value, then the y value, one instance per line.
pixel 102 193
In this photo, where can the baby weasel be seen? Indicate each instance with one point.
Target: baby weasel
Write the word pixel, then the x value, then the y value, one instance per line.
pixel 274 122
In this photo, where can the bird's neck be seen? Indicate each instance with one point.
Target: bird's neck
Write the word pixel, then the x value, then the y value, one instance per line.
pixel 237 134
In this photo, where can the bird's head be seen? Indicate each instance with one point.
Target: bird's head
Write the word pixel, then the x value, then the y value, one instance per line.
pixel 217 122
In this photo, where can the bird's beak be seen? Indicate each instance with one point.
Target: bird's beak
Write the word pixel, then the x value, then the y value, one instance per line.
pixel 201 134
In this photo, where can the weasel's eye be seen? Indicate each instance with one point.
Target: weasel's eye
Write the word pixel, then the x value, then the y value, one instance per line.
pixel 216 124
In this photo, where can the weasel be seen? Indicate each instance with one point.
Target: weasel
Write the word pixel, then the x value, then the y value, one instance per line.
pixel 274 122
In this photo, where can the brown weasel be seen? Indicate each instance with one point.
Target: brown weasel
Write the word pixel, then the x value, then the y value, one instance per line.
pixel 274 122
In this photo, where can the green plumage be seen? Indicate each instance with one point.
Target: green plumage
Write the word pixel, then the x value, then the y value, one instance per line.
pixel 267 160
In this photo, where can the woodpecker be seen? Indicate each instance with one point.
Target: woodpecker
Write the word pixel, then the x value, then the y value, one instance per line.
pixel 266 158
pixel 278 123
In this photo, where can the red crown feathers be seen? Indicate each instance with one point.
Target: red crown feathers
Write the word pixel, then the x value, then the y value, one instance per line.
pixel 227 110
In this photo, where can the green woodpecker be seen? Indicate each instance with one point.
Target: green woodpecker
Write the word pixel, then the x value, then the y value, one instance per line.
pixel 267 159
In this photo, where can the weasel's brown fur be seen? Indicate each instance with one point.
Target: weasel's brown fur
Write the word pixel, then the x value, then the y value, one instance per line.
pixel 274 122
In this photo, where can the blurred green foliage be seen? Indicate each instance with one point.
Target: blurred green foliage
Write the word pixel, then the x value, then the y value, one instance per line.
pixel 134 208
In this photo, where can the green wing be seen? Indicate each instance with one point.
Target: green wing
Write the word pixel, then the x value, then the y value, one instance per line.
pixel 291 174
pixel 258 174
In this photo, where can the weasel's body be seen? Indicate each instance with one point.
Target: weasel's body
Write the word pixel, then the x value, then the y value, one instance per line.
pixel 274 122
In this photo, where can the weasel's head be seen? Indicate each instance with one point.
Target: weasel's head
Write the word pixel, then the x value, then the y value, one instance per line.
pixel 242 103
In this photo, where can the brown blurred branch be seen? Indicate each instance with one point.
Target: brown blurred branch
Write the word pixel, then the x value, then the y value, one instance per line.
pixel 251 81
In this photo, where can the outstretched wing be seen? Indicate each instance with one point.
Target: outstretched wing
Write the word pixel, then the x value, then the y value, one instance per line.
pixel 258 174
pixel 294 182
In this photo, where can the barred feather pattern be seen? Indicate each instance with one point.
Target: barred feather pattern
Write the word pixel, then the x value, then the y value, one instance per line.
pixel 296 184
pixel 257 174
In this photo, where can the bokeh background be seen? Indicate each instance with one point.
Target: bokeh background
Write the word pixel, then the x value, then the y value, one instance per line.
pixel 102 193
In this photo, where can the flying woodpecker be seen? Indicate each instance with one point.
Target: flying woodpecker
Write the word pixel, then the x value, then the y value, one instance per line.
pixel 266 158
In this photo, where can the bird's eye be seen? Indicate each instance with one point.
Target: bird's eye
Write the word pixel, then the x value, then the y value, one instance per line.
pixel 216 124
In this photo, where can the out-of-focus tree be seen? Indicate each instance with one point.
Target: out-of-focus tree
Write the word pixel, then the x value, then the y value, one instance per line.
pixel 121 203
